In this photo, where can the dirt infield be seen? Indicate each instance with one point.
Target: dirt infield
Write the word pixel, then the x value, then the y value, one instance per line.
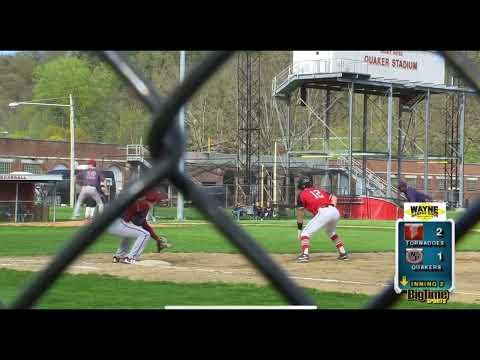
pixel 365 273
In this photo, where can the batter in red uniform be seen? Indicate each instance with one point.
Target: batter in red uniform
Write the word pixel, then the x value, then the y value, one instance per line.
pixel 322 205
pixel 133 225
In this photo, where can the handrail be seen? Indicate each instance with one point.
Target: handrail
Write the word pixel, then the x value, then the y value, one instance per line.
pixel 323 66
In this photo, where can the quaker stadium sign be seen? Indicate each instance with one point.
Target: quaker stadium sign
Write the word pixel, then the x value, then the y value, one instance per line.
pixel 436 211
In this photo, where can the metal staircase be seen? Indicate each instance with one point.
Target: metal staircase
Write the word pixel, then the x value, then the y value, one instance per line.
pixel 139 154
pixel 376 185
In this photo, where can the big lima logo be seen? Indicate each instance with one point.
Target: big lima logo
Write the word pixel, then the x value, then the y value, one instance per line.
pixel 425 211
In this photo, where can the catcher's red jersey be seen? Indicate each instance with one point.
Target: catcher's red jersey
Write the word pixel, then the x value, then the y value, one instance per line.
pixel 313 199
pixel 137 214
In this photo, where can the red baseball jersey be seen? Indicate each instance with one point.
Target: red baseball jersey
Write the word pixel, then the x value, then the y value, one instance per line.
pixel 313 199
pixel 137 214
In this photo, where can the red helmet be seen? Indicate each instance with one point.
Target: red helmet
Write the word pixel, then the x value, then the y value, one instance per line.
pixel 154 196
pixel 92 162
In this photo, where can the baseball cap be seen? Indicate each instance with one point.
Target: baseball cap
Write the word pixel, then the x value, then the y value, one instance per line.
pixel 92 163
pixel 402 185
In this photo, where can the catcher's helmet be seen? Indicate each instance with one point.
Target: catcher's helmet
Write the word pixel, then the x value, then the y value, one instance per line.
pixel 304 182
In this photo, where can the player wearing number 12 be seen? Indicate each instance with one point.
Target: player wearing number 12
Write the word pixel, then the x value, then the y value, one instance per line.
pixel 326 216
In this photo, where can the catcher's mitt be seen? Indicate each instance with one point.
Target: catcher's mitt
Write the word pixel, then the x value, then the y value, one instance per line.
pixel 162 243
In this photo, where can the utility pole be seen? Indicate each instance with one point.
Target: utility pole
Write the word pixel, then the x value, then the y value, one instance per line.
pixel 181 125
pixel 275 176
pixel 72 153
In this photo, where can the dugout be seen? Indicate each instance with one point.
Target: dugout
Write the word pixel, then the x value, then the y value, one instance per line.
pixel 27 197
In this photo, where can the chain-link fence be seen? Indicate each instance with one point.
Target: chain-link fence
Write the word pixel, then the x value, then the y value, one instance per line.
pixel 24 211
pixel 29 203
pixel 163 139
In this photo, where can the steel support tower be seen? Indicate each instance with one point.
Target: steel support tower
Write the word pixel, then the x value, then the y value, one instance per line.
pixel 249 117
pixel 454 123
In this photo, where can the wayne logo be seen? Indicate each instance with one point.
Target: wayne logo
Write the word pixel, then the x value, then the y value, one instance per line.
pixel 425 211
pixel 414 256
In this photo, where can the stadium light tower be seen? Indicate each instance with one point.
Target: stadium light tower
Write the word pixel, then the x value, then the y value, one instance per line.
pixel 72 138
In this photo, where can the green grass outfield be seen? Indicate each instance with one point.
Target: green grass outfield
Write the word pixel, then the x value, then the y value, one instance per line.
pixel 107 292
pixel 276 236
pixel 163 213
pixel 190 213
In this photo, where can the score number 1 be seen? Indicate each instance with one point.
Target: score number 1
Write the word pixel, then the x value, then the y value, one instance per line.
pixel 439 233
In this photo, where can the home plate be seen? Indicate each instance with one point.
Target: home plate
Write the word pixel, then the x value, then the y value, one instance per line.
pixel 153 263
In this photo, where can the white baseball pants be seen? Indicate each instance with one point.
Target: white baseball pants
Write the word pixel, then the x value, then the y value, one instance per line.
pixel 128 231
pixel 88 191
pixel 326 218
pixel 89 212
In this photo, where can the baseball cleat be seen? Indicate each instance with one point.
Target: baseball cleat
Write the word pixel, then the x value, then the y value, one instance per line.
pixel 117 259
pixel 304 258
pixel 343 257
pixel 128 260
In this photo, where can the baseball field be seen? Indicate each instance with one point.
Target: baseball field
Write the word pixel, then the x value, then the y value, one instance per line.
pixel 202 268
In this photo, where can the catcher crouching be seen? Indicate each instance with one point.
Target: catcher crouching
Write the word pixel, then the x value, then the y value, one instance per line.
pixel 133 225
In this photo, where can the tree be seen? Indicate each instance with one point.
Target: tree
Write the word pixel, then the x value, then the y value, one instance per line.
pixel 15 84
pixel 90 87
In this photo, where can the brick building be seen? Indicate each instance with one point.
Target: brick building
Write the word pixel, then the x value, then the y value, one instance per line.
pixel 413 173
pixel 41 156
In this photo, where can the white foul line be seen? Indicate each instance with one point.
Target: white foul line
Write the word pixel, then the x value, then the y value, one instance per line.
pixel 465 293
pixel 295 277
pixel 186 268
pixel 228 307
pixel 337 281
pixel 44 263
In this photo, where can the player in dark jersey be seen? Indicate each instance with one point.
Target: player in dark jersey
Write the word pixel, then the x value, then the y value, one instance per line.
pixel 133 224
pixel 322 205
pixel 412 194
pixel 91 180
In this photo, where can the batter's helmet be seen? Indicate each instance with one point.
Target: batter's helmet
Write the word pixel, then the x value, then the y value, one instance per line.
pixel 304 182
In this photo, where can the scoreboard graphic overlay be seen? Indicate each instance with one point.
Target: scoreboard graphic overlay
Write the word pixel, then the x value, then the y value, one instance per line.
pixel 425 252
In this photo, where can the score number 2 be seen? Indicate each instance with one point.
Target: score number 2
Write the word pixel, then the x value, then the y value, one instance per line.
pixel 439 232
